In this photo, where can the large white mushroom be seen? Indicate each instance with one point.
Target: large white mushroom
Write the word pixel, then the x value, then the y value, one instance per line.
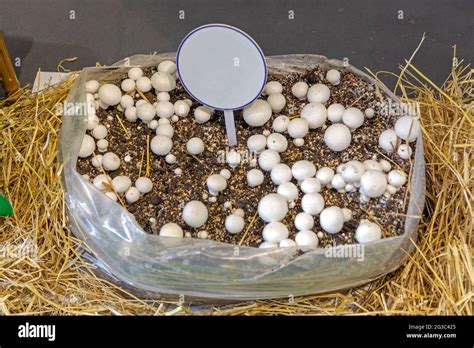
pixel 373 183
pixel 272 207
pixel 281 173
pixel 315 114
pixel 268 159
pixel 312 203
pixel 407 128
pixel 110 94
pixel 257 113
pixel 368 232
pixel 319 93
pixel 87 146
pixel 337 137
pixel 331 219
pixel 171 230
pixel 195 214
pixel 306 239
pixel 303 169
pixel 275 232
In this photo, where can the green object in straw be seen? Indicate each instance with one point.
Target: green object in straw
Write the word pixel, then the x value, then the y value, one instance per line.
pixel 6 208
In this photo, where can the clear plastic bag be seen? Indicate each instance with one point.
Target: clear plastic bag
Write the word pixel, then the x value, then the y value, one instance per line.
pixel 208 269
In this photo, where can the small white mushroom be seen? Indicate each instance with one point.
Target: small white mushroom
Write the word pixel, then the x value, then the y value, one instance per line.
pixel 347 214
pixel 87 146
pixel 144 184
pixel 110 161
pixel 146 112
pixel 300 90
pixel 92 122
pixel 233 158
pixel 288 190
pixel 281 173
pixel 171 230
pixel 310 185
pixel 163 82
pixel 100 180
pixel 153 124
pixel 280 124
pixel 255 177
pixel 102 145
pixel 195 214
pixel 165 129
pixel 333 76
pixel 132 195
pixel 397 178
pixel 239 212
pixel 352 171
pixel 337 137
pixel 407 128
pixel 389 141
pixel 128 85
pixel 268 159
pixel 369 113
pixel 325 175
pixel 277 102
pixel 96 161
pixel 353 118
pixel 319 93
pixel 181 108
pixel 92 86
pixel 143 84
pixel 121 183
pixel 126 101
pixel 386 166
pixel 275 232
pixel 164 109
pixel 285 243
pixel 298 128
pixel 266 132
pixel 315 114
pixel 373 183
pixel 272 87
pixel 277 142
pixel 202 114
pixel 170 158
pixel 331 219
pixel 298 142
pixel 335 112
pixel 257 113
pixel 372 165
pixel 135 73
pixel 256 143
pixel 304 221
pixel 167 66
pixel 216 183
pixel 268 245
pixel 368 232
pixel 131 114
pixel 338 182
pixel 307 239
pixel 161 145
pixel 272 207
pixel 404 151
pixel 110 94
pixel 163 96
pixel 234 223
pixel 303 169
pixel 195 146
pixel 225 173
pixel 312 203
pixel 99 132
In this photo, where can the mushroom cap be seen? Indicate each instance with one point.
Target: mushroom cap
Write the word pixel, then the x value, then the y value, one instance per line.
pixel 315 114
pixel 165 129
pixel 272 207
pixel 307 239
pixel 281 173
pixel 275 232
pixel 143 84
pixel 135 73
pixel 132 195
pixel 92 86
pixel 195 214
pixel 319 93
pixel 325 175
pixel 388 140
pixel 304 221
pixel 255 177
pixel 353 118
pixel 256 143
pixel 171 229
pixel 195 146
pixel 367 232
pixel 268 245
pixel 110 161
pixel 167 66
pixel 161 145
pixel 202 114
pixel 99 181
pixel 337 137
pixel 234 223
pixel 312 203
pixel 164 109
pixel 404 151
pixel 333 76
pixel 121 183
pixel 163 82
pixel 298 128
pixel 303 169
pixel 335 112
pixel 146 112
pixel 373 183
pixel 181 108
pixel 352 171
pixel 300 90
pixel 144 184
pixel 310 185
pixel 407 128
pixel 127 85
pixel 288 190
pixel 257 113
pixel 277 142
pixel 280 124
pixel 216 183
pixel 268 159
pixel 332 219
pixel 110 94
pixel 273 87
pixel 277 102
pixel 397 178
pixel 87 146
pixel 285 243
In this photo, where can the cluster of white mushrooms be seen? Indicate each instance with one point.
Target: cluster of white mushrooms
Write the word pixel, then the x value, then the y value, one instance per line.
pixel 371 178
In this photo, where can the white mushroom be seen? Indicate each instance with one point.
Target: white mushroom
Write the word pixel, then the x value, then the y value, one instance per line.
pixel 352 171
pixel 386 166
pixel 234 223
pixel 164 109
pixel 202 114
pixel 333 76
pixel 146 112
pixel 319 93
pixel 87 146
pixel 96 161
pixel 397 178
pixel 102 145
pixel 143 84
pixel 170 158
pixel 268 245
pixel 163 82
pixel 288 190
pixel 331 219
pixel 272 207
pixel 298 128
pixel 216 183
pixel 165 129
pixel 100 180
pixel 112 196
pixel 337 137
pixel 121 183
pixel 304 221
pixel 167 66
pixel 110 161
pixel 310 185
pixel 277 102
pixel 126 101
pixel 300 90
pixel 92 122
pixel 277 142
pixel 389 141
pixel 128 85
pixel 369 112
pixel 273 87
pixel 225 173
pixel 255 177
pixel 268 159
pixel 131 114
pixel 195 214
pixel 404 151
pixel 312 203
pixel 132 195
pixel 280 124
pixel 256 143
pixel 373 183
pixel 315 114
pixel 144 184
pixel 92 86
pixel 275 232
pixel 372 165
pixel 335 112
pixel 257 113
pixel 325 175
pixel 135 73
pixel 353 118
pixel 195 146
pixel 285 243
pixel 407 128
pixel 161 145
pixel 110 94
pixel 99 132
pixel 281 173
pixel 338 182
pixel 347 214
pixel 298 142
pixel 181 108
pixel 303 169
pixel 368 232
pixel 171 230
pixel 307 239
pixel 233 158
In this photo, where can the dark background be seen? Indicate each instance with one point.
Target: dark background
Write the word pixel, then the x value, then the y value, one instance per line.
pixel 367 32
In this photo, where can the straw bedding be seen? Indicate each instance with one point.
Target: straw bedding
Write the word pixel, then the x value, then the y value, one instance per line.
pixel 42 270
